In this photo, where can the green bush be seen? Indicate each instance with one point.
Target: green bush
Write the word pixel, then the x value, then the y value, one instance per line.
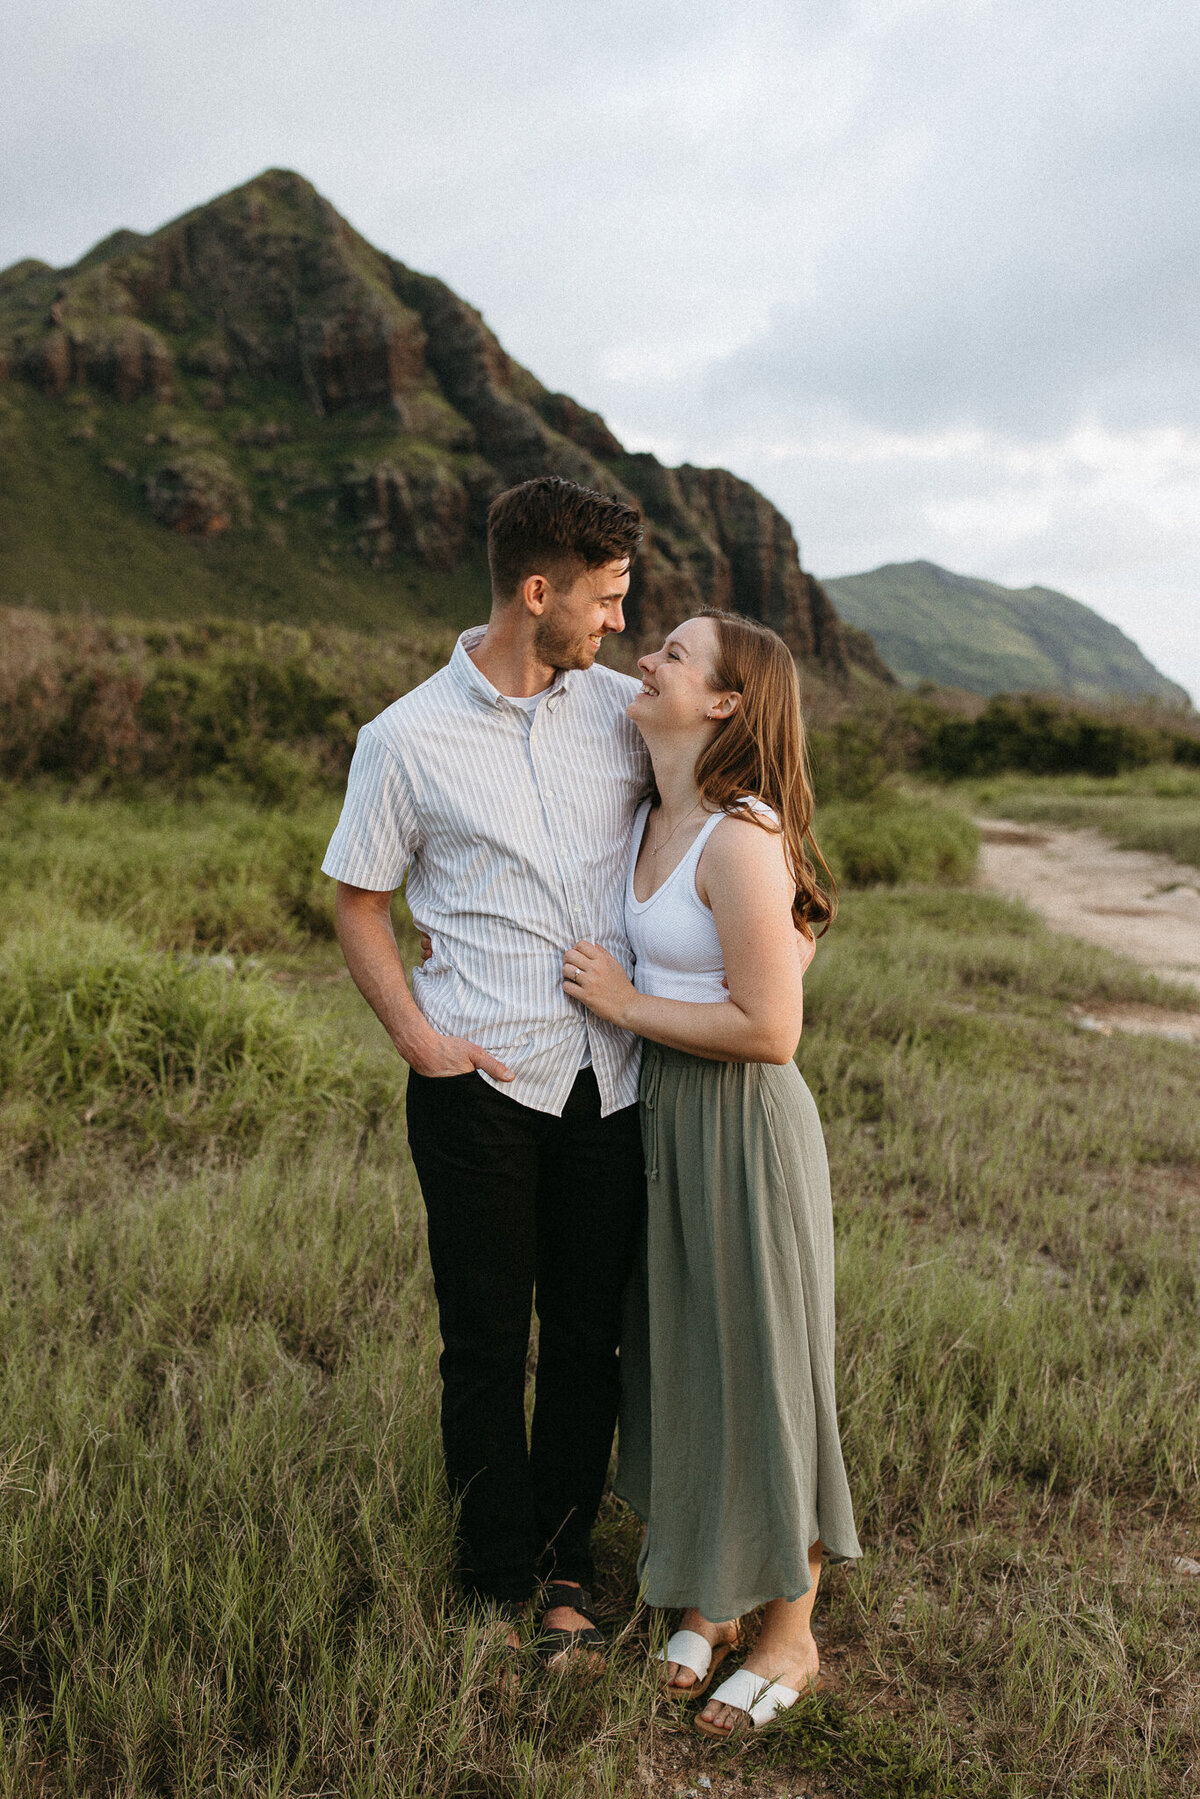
pixel 853 757
pixel 1039 737
pixel 268 707
pixel 891 840
pixel 99 1035
pixel 273 711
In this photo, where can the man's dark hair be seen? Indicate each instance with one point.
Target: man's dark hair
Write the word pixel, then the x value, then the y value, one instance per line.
pixel 555 528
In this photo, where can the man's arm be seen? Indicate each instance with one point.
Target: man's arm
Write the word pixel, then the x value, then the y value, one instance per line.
pixel 364 927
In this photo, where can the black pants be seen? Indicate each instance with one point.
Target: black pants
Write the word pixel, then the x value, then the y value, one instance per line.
pixel 518 1199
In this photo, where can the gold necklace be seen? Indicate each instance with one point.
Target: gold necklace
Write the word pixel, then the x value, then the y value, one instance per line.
pixel 656 846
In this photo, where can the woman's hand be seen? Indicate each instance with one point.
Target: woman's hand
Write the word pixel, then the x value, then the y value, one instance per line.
pixel 598 981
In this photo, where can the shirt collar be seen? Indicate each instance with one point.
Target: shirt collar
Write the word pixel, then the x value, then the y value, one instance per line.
pixel 476 686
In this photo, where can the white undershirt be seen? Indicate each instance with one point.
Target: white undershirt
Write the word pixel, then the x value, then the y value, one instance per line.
pixel 528 706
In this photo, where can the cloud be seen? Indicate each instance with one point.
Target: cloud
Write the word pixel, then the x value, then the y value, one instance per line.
pixel 1107 516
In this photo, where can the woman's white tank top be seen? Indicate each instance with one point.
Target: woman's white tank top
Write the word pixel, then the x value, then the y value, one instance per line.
pixel 672 934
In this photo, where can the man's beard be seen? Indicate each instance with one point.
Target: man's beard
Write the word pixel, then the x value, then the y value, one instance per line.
pixel 558 646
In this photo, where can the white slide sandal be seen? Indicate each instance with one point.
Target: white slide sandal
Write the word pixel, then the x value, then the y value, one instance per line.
pixel 760 1699
pixel 690 1650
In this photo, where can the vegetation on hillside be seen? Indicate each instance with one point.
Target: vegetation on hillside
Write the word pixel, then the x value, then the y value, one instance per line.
pixel 76 536
pixel 275 709
pixel 253 411
pixel 1041 737
pixel 272 709
pixel 931 625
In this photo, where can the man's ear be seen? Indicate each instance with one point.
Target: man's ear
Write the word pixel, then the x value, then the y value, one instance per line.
pixel 534 589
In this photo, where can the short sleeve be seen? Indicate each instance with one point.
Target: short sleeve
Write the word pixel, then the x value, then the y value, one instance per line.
pixel 377 832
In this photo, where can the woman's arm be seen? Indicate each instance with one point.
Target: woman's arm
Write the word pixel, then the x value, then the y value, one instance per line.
pixel 744 878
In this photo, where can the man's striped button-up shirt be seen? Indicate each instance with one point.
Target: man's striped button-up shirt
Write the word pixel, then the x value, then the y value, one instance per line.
pixel 515 840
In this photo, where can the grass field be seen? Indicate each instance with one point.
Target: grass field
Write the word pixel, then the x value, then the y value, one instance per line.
pixel 1155 808
pixel 223 1540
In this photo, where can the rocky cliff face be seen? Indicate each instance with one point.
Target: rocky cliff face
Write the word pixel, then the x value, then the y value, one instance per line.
pixel 289 367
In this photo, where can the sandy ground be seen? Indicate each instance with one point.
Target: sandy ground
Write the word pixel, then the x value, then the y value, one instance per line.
pixel 1144 906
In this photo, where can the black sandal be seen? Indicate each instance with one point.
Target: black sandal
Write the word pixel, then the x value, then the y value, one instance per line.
pixel 554 1641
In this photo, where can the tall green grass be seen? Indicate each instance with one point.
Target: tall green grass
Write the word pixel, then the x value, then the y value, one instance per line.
pixel 224 1544
pixel 223 875
pixel 226 875
pixel 101 1037
pixel 893 839
pixel 1156 809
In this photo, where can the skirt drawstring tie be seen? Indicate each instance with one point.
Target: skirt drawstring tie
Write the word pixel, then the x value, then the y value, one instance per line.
pixel 651 1081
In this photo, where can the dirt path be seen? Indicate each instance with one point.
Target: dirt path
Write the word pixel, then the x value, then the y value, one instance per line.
pixel 1143 905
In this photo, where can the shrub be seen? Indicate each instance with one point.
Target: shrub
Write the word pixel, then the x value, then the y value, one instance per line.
pixel 100 1035
pixel 1038 737
pixel 891 840
pixel 273 708
pixel 854 756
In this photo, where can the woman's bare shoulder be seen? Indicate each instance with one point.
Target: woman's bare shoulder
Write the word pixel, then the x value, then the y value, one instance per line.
pixel 742 853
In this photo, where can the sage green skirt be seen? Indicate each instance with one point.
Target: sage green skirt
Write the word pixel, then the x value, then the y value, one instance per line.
pixel 729 1442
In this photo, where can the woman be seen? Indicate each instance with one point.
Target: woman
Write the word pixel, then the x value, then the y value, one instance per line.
pixel 728 1442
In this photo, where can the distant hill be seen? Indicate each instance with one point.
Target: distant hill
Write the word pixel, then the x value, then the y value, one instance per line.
pixel 931 625
pixel 254 412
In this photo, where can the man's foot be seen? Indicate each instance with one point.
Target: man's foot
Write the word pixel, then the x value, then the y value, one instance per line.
pixel 565 1617
pixel 563 1621
pixel 680 1678
pixel 795 1665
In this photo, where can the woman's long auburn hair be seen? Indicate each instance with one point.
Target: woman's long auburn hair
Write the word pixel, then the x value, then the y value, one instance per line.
pixel 760 751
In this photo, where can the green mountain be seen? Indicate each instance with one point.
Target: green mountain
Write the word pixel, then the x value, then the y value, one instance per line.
pixel 931 625
pixel 253 412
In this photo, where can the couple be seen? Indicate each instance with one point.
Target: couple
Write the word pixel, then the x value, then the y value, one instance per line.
pixel 512 790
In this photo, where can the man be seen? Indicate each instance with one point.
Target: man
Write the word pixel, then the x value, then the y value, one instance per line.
pixel 505 786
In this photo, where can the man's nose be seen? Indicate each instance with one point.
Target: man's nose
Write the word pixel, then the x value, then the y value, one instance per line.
pixel 615 620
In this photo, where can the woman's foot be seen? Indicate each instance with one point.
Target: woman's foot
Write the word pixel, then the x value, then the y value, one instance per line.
pixel 680 1678
pixel 790 1663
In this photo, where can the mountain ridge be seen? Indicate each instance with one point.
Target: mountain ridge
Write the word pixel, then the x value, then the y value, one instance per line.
pixel 310 420
pixel 930 624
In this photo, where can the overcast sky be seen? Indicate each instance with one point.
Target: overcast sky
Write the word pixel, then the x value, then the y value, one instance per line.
pixel 924 270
